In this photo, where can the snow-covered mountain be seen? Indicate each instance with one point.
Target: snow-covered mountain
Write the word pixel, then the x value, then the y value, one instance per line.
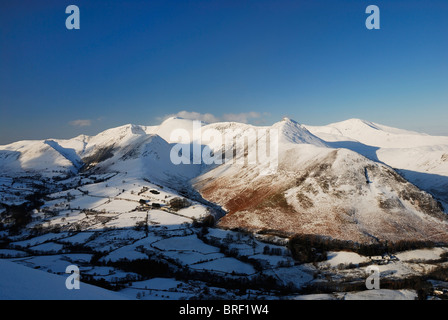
pixel 323 190
pixel 337 180
pixel 420 158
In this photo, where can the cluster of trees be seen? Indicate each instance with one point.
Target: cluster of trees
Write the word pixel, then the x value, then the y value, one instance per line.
pixel 103 283
pixel 267 250
pixel 178 203
pixel 204 223
pixel 313 248
pixel 419 284
pixel 147 268
pixel 259 282
pixel 143 190
pixel 21 215
pixel 439 273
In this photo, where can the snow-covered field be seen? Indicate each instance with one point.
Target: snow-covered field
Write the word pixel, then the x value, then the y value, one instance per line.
pixel 121 231
pixel 23 283
pixel 337 258
pixel 380 294
pixel 421 255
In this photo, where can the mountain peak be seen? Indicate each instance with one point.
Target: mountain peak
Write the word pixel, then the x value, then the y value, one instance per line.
pixel 293 132
pixel 288 120
pixel 169 119
pixel 360 122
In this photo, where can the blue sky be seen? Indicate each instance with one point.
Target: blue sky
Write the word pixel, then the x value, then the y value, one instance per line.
pixel 138 61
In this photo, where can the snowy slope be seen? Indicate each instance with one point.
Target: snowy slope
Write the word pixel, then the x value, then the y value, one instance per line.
pixel 317 190
pixel 320 190
pixel 23 283
pixel 127 149
pixel 293 132
pixel 420 158
pixel 33 156
pixel 376 135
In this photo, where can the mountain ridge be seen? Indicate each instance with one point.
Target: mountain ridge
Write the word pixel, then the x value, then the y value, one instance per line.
pixel 324 183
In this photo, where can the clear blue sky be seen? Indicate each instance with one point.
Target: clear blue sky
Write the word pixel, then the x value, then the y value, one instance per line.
pixel 136 61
